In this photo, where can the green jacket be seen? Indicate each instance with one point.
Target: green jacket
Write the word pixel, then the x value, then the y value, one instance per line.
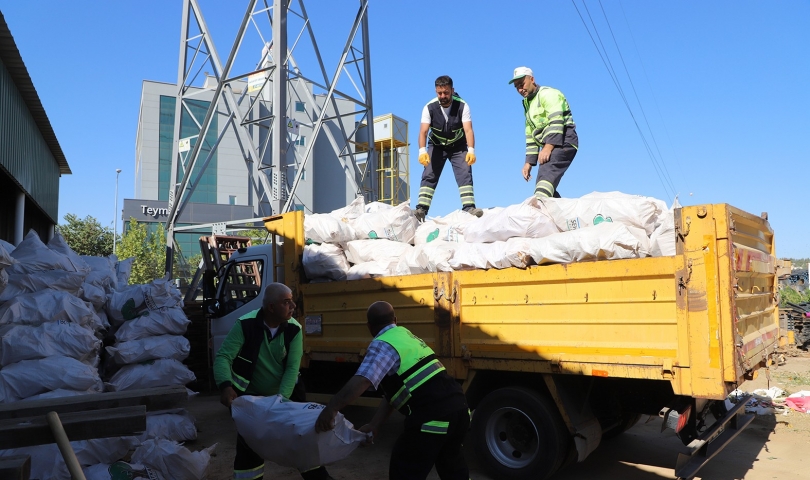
pixel 269 377
pixel 548 120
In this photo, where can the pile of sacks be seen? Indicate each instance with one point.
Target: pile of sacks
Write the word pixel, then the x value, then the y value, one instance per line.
pixel 57 311
pixel 377 240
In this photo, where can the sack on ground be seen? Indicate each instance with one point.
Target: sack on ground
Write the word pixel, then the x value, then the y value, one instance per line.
pixel 150 348
pixel 168 321
pixel 164 372
pixel 102 272
pixel 27 342
pixel 123 269
pixel 120 470
pixel 177 427
pixel 284 432
pixel 173 460
pixel 59 245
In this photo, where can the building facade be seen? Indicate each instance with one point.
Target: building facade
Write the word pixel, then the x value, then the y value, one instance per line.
pixel 31 160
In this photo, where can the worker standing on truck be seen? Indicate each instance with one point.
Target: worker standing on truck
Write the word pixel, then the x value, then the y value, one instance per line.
pixel 551 135
pixel 446 133
pixel 261 356
pixel 415 383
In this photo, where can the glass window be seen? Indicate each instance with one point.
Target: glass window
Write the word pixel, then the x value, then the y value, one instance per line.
pixel 232 200
pixel 242 283
pixel 300 107
pixel 300 141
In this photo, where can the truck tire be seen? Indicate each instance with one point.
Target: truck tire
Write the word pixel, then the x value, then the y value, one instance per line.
pixel 518 434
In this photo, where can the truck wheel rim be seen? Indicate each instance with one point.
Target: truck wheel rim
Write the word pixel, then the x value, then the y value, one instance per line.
pixel 512 437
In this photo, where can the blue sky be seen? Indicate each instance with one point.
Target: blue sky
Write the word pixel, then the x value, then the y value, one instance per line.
pixel 722 85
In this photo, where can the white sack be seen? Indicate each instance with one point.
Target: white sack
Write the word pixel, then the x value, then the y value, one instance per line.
pixel 470 256
pixel 350 211
pixel 3 280
pixel 169 321
pixel 5 253
pixel 324 228
pixel 48 306
pixel 359 251
pixel 528 220
pixel 178 427
pixel 375 207
pixel 372 270
pixel 606 241
pixel 59 245
pixel 397 224
pixel 663 239
pixel 123 269
pixel 448 228
pixel 150 348
pixel 32 256
pixel 59 393
pixel 31 377
pixel 26 342
pixel 597 207
pixel 137 300
pixel 284 432
pixel 102 272
pixel 174 461
pixel 47 462
pixel 155 373
pixel 120 470
pixel 325 261
pixel 6 260
pixel 94 295
pixel 20 283
pixel 427 257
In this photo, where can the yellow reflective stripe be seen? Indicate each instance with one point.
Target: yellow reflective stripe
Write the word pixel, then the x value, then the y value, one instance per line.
pixel 426 190
pixel 544 188
pixel 435 427
pixel 400 398
pixel 423 374
pixel 239 382
pixel 253 473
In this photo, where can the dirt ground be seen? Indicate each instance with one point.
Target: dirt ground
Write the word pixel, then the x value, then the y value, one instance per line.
pixel 772 447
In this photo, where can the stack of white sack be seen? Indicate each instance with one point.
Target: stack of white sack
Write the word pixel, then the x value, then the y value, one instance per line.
pixel 28 378
pixel 149 344
pixel 284 432
pixel 533 232
pixel 6 260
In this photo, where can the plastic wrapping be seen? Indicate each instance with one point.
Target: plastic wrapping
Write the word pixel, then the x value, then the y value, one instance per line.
pixel 154 373
pixel 31 377
pixel 27 342
pixel 48 306
pixel 169 321
pixel 138 300
pixel 22 283
pixel 174 461
pixel 326 261
pixel 32 256
pixel 150 348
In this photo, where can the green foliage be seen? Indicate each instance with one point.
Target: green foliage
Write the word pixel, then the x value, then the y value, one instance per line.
pixel 798 262
pixel 86 236
pixel 149 250
pixel 256 235
pixel 787 294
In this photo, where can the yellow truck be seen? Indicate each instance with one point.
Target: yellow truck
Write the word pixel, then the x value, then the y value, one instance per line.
pixel 555 358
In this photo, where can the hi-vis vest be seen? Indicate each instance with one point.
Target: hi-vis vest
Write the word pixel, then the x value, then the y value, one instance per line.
pixel 548 115
pixel 448 133
pixel 254 331
pixel 417 365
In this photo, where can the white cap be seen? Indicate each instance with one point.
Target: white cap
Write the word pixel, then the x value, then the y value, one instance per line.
pixel 521 72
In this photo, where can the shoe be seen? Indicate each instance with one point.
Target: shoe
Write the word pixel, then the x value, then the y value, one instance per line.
pixel 474 211
pixel 420 213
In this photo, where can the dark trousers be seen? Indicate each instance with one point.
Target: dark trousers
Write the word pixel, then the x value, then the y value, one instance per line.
pixel 550 173
pixel 248 465
pixel 463 172
pixel 423 445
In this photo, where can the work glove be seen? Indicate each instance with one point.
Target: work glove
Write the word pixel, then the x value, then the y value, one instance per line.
pixel 470 158
pixel 424 158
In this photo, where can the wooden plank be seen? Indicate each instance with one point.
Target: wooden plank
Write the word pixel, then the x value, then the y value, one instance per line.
pixel 111 422
pixel 161 398
pixel 17 467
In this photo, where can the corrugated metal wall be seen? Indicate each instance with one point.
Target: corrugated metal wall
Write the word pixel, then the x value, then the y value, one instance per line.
pixel 23 151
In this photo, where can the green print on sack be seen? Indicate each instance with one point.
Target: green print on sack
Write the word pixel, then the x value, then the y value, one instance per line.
pixel 124 471
pixel 599 219
pixel 432 236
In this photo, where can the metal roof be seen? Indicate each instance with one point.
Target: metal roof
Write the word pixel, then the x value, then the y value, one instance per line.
pixel 13 62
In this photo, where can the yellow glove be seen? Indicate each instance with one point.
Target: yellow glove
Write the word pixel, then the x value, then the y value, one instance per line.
pixel 470 159
pixel 424 158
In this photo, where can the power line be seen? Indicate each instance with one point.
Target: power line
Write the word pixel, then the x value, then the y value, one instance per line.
pixel 643 113
pixel 609 67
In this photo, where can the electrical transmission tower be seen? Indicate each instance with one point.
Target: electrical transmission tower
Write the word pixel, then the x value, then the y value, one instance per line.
pixel 251 99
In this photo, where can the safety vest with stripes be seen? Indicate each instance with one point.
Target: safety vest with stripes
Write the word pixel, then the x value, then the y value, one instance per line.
pixel 421 381
pixel 450 132
pixel 548 120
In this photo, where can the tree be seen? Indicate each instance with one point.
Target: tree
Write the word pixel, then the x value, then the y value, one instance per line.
pixel 789 295
pixel 87 236
pixel 149 250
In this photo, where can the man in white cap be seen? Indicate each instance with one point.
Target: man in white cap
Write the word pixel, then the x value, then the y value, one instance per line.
pixel 551 135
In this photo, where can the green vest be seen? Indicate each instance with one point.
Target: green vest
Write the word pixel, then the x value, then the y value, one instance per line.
pixel 547 114
pixel 417 365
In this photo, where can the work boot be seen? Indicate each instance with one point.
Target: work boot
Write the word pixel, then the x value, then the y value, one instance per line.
pixel 473 211
pixel 420 213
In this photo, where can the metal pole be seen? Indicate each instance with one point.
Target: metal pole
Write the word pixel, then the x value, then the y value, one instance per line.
pixel 115 216
pixel 373 155
pixel 279 79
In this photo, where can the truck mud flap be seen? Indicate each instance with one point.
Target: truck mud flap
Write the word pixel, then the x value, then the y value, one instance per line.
pixel 713 440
